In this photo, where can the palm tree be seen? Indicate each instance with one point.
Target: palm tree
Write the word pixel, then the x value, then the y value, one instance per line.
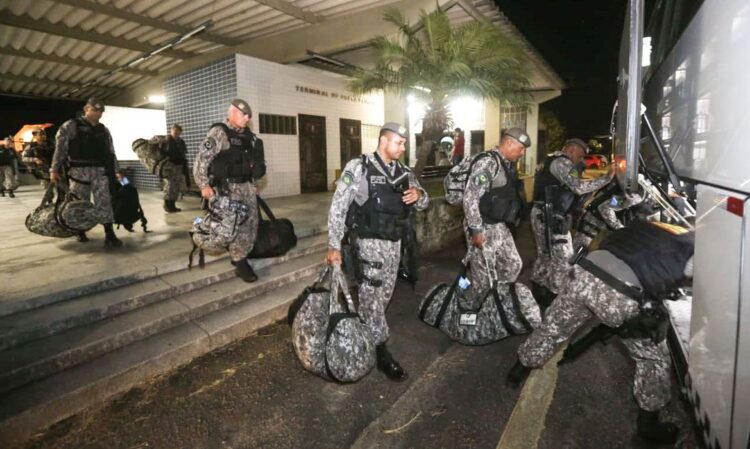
pixel 437 62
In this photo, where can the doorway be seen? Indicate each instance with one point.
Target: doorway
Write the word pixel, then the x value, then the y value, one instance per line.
pixel 351 140
pixel 312 153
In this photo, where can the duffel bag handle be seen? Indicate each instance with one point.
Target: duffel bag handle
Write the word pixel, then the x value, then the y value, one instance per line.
pixel 48 195
pixel 338 283
pixel 262 205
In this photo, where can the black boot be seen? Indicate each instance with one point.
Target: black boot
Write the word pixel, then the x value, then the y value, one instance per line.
pixel 542 294
pixel 244 271
pixel 2 192
pixel 110 239
pixel 388 365
pixel 655 431
pixel 82 237
pixel 11 194
pixel 174 206
pixel 517 375
pixel 169 207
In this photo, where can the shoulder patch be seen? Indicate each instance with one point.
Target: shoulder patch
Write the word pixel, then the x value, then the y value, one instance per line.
pixel 573 172
pixel 208 143
pixel 347 178
pixel 481 179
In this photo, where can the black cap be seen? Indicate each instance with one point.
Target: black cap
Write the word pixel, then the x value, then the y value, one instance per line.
pixel 519 135
pixel 577 142
pixel 96 104
pixel 242 106
pixel 396 128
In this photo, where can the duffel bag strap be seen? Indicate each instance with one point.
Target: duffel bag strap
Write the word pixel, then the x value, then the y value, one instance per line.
pixel 339 284
pixel 517 306
pixel 201 254
pixel 48 195
pixel 264 206
pixel 451 292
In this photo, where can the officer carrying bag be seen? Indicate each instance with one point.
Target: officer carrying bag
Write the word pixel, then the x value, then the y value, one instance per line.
pixel 507 309
pixel 153 155
pixel 328 335
pixel 214 232
pixel 455 181
pixel 275 235
pixel 66 216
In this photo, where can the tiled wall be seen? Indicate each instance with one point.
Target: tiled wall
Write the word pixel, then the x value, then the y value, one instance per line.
pixel 272 89
pixel 139 176
pixel 199 98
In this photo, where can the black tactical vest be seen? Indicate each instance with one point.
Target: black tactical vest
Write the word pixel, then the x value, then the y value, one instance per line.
pixel 89 146
pixel 6 156
pixel 239 163
pixel 656 256
pixel 502 204
pixel 562 198
pixel 43 151
pixel 176 150
pixel 384 214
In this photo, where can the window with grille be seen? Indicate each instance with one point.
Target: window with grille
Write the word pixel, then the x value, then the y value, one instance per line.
pixel 277 124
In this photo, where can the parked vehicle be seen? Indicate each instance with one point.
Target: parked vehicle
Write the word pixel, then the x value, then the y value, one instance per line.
pixel 595 161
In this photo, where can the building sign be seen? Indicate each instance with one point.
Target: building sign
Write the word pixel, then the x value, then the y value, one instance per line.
pixel 333 95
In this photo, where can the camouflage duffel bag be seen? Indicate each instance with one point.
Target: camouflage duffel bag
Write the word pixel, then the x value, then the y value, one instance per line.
pixel 153 154
pixel 328 335
pixel 65 216
pixel 507 309
pixel 213 233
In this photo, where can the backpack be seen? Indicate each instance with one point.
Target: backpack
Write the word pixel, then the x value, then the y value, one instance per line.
pixel 153 154
pixel 275 236
pixel 328 336
pixel 455 181
pixel 127 208
pixel 214 232
pixel 507 309
pixel 66 216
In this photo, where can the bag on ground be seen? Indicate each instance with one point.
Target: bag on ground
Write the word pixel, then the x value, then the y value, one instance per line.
pixel 213 233
pixel 275 235
pixel 507 309
pixel 328 335
pixel 455 181
pixel 127 208
pixel 61 214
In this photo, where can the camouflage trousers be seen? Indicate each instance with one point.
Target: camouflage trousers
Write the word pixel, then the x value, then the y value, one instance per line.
pixel 550 270
pixel 588 297
pixel 380 259
pixel 85 181
pixel 173 181
pixel 8 178
pixel 499 248
pixel 245 240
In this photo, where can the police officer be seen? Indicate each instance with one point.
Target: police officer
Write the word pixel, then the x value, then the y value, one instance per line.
pixel 555 190
pixel 229 161
pixel 623 284
pixel 177 154
pixel 601 213
pixel 84 146
pixel 37 155
pixel 373 198
pixel 492 201
pixel 8 168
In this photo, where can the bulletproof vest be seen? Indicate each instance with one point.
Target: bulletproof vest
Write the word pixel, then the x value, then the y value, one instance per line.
pixel 502 204
pixel 236 163
pixel 89 146
pixel 384 214
pixel 562 197
pixel 176 150
pixel 43 151
pixel 6 156
pixel 656 255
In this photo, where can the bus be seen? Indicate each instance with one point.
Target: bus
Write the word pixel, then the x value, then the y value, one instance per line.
pixel 683 117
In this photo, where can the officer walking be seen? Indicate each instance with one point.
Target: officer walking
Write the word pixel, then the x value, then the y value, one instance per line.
pixel 555 190
pixel 8 168
pixel 623 284
pixel 229 161
pixel 37 155
pixel 373 199
pixel 177 154
pixel 601 213
pixel 84 146
pixel 492 201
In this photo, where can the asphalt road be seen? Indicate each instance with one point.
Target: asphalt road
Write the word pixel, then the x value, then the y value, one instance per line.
pixel 254 394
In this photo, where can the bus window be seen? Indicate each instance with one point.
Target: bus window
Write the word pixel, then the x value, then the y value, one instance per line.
pixel 667 23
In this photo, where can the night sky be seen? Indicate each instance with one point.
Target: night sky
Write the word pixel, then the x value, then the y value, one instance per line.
pixel 581 40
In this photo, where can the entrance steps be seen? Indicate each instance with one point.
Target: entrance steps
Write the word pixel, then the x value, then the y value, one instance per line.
pixel 64 351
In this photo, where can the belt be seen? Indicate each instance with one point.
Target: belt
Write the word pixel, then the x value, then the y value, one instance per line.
pixel 238 180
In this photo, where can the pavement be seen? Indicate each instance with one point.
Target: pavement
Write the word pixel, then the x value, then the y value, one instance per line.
pixel 35 270
pixel 254 394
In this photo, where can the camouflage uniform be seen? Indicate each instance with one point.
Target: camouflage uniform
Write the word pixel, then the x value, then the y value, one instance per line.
pixel 586 297
pixel 33 151
pixel 85 180
pixel 245 192
pixel 592 224
pixel 176 172
pixel 499 245
pixel 373 301
pixel 551 270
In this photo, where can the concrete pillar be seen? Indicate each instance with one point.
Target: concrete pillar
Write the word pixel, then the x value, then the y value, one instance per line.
pixel 491 122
